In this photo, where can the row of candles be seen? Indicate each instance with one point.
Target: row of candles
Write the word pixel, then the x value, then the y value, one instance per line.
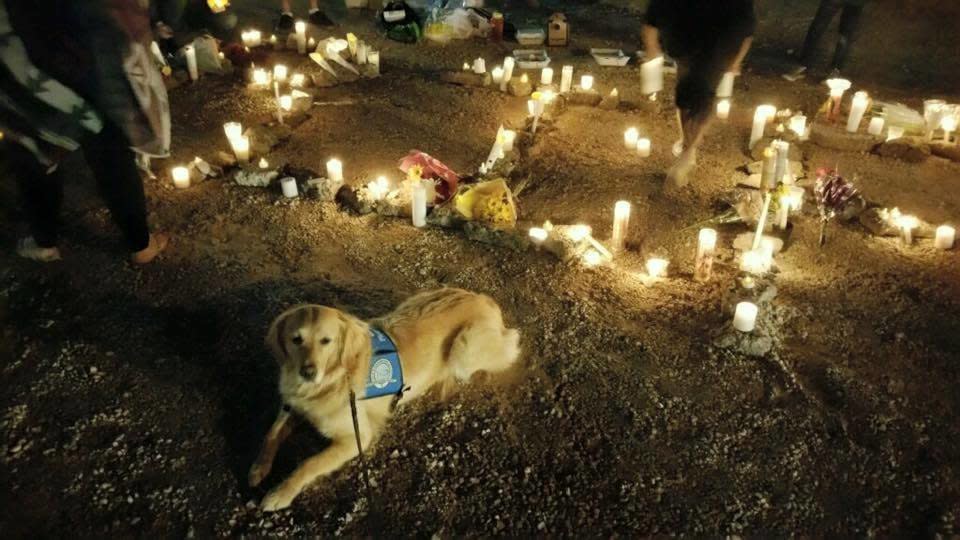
pixel 503 74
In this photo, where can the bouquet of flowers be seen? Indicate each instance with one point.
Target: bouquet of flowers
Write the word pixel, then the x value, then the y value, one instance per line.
pixel 832 194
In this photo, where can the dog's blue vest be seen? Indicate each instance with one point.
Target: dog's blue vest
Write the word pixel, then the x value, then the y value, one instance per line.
pixel 386 376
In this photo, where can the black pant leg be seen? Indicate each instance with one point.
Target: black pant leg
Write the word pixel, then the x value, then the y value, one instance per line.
pixel 818 27
pixel 849 30
pixel 41 194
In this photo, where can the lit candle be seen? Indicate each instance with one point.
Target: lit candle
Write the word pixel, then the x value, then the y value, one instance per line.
pixel 754 261
pixel 651 76
pixel 181 177
pixel 725 88
pixel 706 247
pixel 782 148
pixel 263 163
pixel 907 224
pixel 524 79
pixel 795 195
pixel 191 55
pixel 538 235
pixel 745 317
pixel 509 137
pixel 335 170
pixel 289 187
pixel 798 125
pixel 466 66
pixel 657 268
pixel 274 43
pixel 586 82
pixel 621 223
pixel 546 76
pixel 280 73
pixel 762 221
pixel 233 130
pixel 857 108
pixel 761 116
pixel 497 74
pixel 286 102
pixel 566 78
pixel 876 126
pixel 723 109
pixel 945 237
pixel 578 233
pixel 894 132
pixel 301 29
pixel 508 64
pixel 255 38
pixel 948 125
pixel 419 203
pixel 837 88
pixel 361 53
pixel 298 80
pixel 768 172
pixel 643 147
pixel 261 77
pixel 373 58
pixel 479 66
pixel 592 258
pixel 630 137
pixel 241 148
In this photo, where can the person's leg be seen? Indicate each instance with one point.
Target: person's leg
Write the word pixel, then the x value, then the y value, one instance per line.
pixel 285 22
pixel 41 193
pixel 316 15
pixel 849 31
pixel 818 27
pixel 694 100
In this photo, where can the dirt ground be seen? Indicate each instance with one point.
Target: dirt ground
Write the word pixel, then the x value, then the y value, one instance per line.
pixel 132 401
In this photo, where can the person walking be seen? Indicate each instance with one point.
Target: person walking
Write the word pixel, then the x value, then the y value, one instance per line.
pixel 851 13
pixel 80 76
pixel 315 16
pixel 708 39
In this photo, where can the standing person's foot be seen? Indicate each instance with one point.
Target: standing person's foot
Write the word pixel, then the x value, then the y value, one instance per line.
pixel 319 18
pixel 795 74
pixel 158 243
pixel 28 249
pixel 284 23
pixel 679 173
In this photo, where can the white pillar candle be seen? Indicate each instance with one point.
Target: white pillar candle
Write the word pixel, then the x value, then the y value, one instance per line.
pixel 798 125
pixel 181 177
pixel 508 64
pixel 286 103
pixel 621 223
pixel 745 317
pixel 241 148
pixel 419 202
pixel 651 76
pixel 538 235
pixel 298 80
pixel 782 148
pixel 479 66
pixel 945 237
pixel 907 224
pixel 706 247
pixel 876 126
pixel 280 73
pixel 725 88
pixel 948 125
pixel 723 109
pixel 643 147
pixel 373 58
pixel 233 130
pixel 289 187
pixel 783 212
pixel 362 49
pixel 857 108
pixel 894 132
pixel 335 170
pixel 546 76
pixel 261 77
pixel 630 137
pixel 191 55
pixel 300 28
pixel 497 75
pixel 566 78
pixel 586 82
pixel 657 268
pixel 509 137
pixel 762 221
pixel 761 116
pixel 768 172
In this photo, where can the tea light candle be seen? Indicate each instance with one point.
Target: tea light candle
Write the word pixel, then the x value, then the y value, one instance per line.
pixel 280 73
pixel 286 102
pixel 630 137
pixel 508 64
pixel 181 177
pixel 300 28
pixel 233 130
pixel 907 224
pixel 298 80
pixel 643 147
pixel 948 125
pixel 466 66
pixel 837 88
pixel 419 203
pixel 657 268
pixel 191 55
pixel 241 148
pixel 857 108
pixel 745 317
pixel 497 74
pixel 566 78
pixel 723 109
pixel 894 132
pixel 586 82
pixel 335 170
pixel 768 172
pixel 651 76
pixel 263 163
pixel 546 76
pixel 261 77
pixel 945 237
pixel 621 223
pixel 798 125
pixel 289 187
pixel 876 126
pixel 479 66
pixel 537 235
pixel 761 116
pixel 509 137
pixel 706 247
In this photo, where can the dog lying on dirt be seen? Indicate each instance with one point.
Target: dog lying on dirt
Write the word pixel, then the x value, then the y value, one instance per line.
pixel 434 338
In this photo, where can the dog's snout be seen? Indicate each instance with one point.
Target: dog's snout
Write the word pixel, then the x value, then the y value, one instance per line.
pixel 308 371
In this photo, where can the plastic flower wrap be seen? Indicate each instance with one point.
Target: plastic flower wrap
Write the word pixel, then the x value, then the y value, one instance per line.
pixel 432 168
pixel 832 194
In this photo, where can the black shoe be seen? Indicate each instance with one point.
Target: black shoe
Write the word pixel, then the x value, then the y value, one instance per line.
pixel 318 18
pixel 795 74
pixel 284 24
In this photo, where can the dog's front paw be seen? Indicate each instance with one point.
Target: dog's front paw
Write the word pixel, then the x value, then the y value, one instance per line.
pixel 278 499
pixel 258 472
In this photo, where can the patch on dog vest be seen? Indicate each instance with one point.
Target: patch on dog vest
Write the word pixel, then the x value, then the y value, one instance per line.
pixel 386 376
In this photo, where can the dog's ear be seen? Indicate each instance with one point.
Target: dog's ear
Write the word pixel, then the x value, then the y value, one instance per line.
pixel 354 342
pixel 276 339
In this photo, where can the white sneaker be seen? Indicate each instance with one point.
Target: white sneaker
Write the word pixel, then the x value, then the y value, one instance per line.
pixel 28 249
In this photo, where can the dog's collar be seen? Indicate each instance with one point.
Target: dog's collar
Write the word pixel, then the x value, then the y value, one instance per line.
pixel 385 377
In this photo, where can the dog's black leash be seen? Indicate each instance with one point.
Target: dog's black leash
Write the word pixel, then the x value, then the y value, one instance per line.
pixel 356 433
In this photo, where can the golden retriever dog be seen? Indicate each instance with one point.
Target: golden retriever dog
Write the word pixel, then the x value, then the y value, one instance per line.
pixel 441 336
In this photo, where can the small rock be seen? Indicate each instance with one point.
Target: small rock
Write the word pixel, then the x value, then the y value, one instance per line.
pixel 466 78
pixel 254 177
pixel 909 149
pixel 945 150
pixel 836 137
pixel 517 87
pixel 589 98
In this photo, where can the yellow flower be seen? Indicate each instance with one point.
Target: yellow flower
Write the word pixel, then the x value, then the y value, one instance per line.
pixel 415 173
pixel 217 6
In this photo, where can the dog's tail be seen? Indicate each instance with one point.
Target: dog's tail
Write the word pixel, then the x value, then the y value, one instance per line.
pixel 482 348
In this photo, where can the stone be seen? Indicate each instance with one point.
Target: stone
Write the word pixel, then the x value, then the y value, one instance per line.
pixel 610 102
pixel 348 198
pixel 204 169
pixel 250 176
pixel 323 79
pixel 749 343
pixel 224 159
pixel 323 189
pixel 264 138
pixel 590 98
pixel 518 88
pixel 466 78
pixel 751 180
pixel 302 101
pixel 945 150
pixel 909 149
pixel 369 71
pixel 836 137
pixel 447 216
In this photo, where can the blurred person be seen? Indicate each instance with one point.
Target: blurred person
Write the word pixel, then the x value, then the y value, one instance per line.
pixel 315 16
pixel 176 22
pixel 80 76
pixel 708 39
pixel 851 12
